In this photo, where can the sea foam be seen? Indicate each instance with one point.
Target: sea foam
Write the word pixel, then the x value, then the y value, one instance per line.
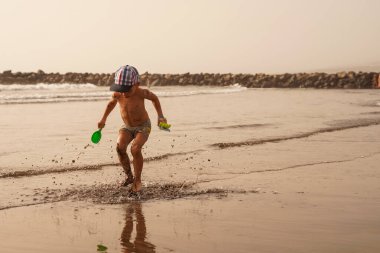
pixel 44 86
pixel 51 93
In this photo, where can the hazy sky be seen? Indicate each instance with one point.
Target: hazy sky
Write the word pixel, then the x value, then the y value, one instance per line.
pixel 178 36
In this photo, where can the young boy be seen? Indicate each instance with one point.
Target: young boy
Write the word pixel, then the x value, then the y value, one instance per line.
pixel 137 124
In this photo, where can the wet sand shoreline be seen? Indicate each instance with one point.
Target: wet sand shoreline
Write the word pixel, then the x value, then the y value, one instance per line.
pixel 299 215
pixel 294 171
pixel 325 206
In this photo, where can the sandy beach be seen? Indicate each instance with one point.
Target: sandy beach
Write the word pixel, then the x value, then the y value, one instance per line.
pixel 274 114
pixel 243 170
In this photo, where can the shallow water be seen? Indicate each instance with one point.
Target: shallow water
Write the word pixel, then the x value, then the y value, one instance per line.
pixel 240 223
pixel 43 139
pixel 243 170
pixel 46 136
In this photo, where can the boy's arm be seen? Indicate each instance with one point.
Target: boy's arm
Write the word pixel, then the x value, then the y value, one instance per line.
pixel 156 103
pixel 111 104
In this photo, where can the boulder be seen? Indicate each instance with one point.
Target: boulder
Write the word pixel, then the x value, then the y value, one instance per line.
pixel 7 72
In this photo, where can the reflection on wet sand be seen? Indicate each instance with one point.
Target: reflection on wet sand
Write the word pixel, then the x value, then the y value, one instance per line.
pixel 139 243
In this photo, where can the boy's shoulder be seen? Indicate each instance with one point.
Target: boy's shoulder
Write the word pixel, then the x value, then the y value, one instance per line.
pixel 143 92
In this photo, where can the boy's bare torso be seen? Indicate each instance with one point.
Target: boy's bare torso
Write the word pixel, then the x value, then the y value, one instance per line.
pixel 132 107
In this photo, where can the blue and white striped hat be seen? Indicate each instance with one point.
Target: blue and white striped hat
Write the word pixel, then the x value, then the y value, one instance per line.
pixel 125 77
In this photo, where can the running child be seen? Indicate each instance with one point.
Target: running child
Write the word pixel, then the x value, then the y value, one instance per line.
pixel 137 125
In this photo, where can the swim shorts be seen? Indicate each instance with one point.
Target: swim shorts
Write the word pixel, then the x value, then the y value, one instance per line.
pixel 144 128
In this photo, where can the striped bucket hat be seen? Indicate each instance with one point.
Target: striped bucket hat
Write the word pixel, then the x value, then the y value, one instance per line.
pixel 125 77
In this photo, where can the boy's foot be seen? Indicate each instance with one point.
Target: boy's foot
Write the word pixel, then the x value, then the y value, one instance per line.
pixel 133 194
pixel 136 187
pixel 127 181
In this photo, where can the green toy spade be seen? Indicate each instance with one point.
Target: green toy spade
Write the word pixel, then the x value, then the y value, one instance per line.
pixel 96 136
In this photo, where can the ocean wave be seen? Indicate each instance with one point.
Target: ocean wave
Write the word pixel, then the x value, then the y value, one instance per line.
pixel 54 96
pixel 229 89
pixel 79 92
pixel 43 101
pixel 44 86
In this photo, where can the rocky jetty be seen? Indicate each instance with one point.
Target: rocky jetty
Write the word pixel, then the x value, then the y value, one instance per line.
pixel 349 80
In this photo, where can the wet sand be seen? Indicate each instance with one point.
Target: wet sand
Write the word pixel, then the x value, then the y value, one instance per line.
pixel 315 204
pixel 256 185
pixel 239 223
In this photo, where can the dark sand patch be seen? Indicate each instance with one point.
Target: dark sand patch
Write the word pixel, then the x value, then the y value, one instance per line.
pixel 338 126
pixel 238 126
pixel 114 194
pixel 28 173
pixel 72 168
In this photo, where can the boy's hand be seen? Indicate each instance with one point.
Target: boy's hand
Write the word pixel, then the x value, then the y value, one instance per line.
pixel 161 119
pixel 101 124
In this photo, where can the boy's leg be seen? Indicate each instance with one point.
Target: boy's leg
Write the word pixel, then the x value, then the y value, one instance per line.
pixel 138 160
pixel 122 143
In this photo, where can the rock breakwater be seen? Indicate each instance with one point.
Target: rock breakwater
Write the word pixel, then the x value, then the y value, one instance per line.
pixel 350 80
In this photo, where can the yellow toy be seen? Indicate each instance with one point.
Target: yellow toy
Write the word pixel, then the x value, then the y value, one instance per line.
pixel 164 126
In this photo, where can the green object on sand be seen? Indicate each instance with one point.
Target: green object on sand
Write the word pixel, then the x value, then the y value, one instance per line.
pixel 164 126
pixel 96 136
pixel 102 247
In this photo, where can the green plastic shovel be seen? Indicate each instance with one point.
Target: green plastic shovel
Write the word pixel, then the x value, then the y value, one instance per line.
pixel 102 248
pixel 96 136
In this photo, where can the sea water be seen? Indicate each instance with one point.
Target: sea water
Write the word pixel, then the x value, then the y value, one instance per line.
pixel 47 127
